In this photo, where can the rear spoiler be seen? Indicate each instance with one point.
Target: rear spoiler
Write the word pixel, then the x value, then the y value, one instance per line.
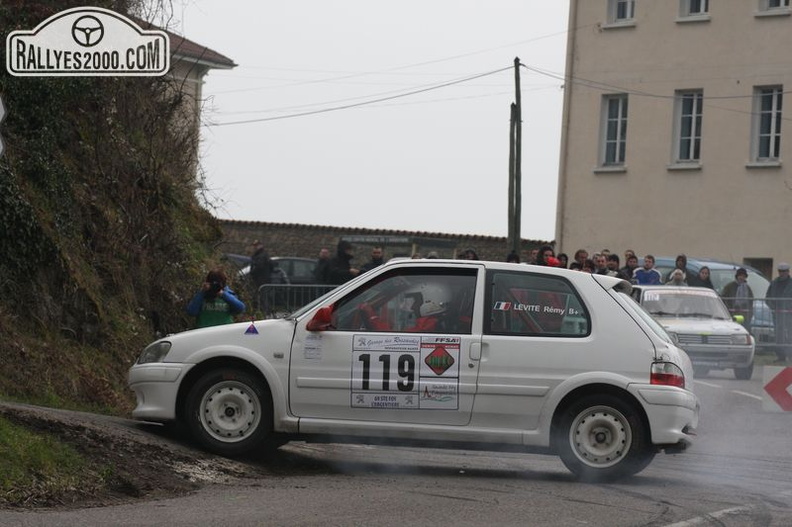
pixel 611 282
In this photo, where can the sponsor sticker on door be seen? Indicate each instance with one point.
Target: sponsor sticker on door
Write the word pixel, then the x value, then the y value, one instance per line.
pixel 88 41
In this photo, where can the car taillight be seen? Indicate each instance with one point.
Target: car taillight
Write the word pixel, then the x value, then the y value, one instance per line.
pixel 667 374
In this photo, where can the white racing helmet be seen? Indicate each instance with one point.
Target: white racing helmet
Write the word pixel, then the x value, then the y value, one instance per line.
pixel 435 299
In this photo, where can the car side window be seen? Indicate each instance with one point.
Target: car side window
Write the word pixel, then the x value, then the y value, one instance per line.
pixel 415 300
pixel 534 305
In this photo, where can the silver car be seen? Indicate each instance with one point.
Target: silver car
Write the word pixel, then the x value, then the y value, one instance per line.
pixel 699 322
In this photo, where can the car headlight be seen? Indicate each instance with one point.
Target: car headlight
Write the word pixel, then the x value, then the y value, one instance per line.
pixel 155 352
pixel 741 339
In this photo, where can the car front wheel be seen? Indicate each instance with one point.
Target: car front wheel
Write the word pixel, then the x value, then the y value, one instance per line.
pixel 602 438
pixel 744 374
pixel 229 412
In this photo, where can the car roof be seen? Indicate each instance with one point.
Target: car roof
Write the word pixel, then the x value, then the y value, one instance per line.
pixel 697 263
pixel 675 288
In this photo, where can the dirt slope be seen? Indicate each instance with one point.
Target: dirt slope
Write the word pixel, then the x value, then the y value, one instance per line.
pixel 129 460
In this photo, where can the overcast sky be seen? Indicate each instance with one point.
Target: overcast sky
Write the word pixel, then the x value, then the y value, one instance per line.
pixel 371 153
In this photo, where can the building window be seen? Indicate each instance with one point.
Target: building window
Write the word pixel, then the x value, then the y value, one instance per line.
pixel 614 120
pixel 768 104
pixel 775 4
pixel 621 10
pixel 695 7
pixel 688 111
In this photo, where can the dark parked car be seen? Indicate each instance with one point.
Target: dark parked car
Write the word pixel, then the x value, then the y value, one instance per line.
pixel 292 285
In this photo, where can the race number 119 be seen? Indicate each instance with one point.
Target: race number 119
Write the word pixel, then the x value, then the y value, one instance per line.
pixel 384 371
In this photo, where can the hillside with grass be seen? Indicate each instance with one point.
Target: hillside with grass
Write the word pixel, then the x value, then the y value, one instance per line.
pixel 104 233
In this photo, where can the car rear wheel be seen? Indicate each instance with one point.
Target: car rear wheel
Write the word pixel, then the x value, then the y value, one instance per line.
pixel 602 438
pixel 229 412
pixel 744 374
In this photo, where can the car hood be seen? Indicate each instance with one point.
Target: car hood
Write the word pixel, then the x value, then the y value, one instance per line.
pixel 701 325
pixel 253 335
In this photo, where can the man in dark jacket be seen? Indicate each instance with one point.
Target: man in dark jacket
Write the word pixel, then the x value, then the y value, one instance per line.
pixel 340 269
pixel 376 260
pixel 260 265
pixel 322 266
pixel 779 298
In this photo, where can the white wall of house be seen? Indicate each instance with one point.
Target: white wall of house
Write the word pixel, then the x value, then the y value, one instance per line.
pixel 730 203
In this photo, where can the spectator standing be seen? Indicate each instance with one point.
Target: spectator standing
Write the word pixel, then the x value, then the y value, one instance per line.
pixel 322 266
pixel 545 252
pixel 376 259
pixel 612 261
pixel 600 264
pixel 648 275
pixel 470 254
pixel 738 297
pixel 340 269
pixel 215 303
pixel 563 260
pixel 701 279
pixel 779 298
pixel 681 263
pixel 533 256
pixel 677 278
pixel 581 255
pixel 260 265
pixel 627 271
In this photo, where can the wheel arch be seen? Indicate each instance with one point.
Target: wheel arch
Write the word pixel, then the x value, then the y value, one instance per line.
pixel 595 389
pixel 215 363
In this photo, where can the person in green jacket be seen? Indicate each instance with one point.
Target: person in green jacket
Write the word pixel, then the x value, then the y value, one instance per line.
pixel 215 303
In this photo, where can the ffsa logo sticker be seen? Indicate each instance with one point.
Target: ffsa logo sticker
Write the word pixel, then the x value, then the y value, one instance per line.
pixel 88 41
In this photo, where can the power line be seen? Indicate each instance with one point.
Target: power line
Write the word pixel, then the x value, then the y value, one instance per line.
pixel 363 103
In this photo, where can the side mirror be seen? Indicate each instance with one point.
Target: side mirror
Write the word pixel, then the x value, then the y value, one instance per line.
pixel 740 319
pixel 322 320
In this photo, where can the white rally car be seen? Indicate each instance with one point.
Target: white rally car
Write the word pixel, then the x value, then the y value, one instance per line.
pixel 445 353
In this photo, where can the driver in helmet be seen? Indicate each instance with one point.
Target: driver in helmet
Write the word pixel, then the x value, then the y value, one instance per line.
pixel 430 315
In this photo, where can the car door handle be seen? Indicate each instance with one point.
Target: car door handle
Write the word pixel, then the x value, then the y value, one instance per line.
pixel 475 351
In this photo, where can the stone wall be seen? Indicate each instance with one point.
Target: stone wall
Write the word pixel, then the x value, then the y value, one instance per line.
pixel 292 239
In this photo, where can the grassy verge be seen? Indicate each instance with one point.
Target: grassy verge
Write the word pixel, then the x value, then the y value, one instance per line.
pixel 37 468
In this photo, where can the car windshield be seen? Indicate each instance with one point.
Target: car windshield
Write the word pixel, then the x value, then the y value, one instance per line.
pixel 690 303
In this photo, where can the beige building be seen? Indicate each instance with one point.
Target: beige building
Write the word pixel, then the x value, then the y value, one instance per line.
pixel 674 133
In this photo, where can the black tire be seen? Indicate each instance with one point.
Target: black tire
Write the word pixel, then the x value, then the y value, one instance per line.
pixel 744 374
pixel 229 412
pixel 700 371
pixel 603 438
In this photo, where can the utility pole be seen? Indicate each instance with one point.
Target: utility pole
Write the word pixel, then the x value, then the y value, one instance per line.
pixel 515 162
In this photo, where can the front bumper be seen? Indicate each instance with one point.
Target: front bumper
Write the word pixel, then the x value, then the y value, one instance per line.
pixel 734 356
pixel 156 387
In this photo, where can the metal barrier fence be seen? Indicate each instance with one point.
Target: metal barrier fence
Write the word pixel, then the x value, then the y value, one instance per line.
pixel 771 328
pixel 278 300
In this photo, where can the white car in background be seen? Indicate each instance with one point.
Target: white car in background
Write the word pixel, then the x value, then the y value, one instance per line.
pixel 440 353
pixel 700 323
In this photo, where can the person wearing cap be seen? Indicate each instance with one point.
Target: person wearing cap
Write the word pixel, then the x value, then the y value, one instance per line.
pixel 738 297
pixel 779 298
